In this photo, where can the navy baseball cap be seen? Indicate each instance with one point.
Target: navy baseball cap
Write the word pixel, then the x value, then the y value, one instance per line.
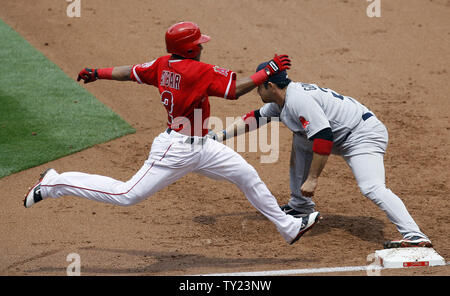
pixel 280 79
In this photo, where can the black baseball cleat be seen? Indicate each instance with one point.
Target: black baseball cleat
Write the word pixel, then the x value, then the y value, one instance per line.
pixel 297 214
pixel 34 193
pixel 414 241
pixel 307 223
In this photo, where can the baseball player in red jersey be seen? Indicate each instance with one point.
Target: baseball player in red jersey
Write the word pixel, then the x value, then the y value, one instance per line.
pixel 185 84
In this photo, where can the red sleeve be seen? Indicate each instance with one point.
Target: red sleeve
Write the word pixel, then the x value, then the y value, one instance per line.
pixel 145 73
pixel 222 83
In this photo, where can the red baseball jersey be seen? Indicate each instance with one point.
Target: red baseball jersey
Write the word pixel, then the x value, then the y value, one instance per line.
pixel 185 85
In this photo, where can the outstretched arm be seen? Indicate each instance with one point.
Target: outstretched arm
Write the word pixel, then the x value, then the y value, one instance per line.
pixel 122 73
pixel 244 124
pixel 235 129
pixel 244 86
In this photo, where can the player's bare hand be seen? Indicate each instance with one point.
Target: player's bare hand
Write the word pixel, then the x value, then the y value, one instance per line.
pixel 216 136
pixel 87 75
pixel 309 187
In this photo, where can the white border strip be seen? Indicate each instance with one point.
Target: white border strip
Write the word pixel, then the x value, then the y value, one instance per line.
pixel 135 75
pixel 368 268
pixel 295 271
pixel 229 84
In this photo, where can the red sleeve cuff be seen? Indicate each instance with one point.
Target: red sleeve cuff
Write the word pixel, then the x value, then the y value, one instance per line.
pixel 248 115
pixel 259 77
pixel 323 147
pixel 105 73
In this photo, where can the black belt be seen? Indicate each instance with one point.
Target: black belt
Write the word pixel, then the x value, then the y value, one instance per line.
pixel 366 116
pixel 188 140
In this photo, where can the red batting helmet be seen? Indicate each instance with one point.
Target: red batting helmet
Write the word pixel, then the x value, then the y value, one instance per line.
pixel 183 39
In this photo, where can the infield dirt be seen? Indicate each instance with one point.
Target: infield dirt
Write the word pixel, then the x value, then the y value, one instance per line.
pixel 397 65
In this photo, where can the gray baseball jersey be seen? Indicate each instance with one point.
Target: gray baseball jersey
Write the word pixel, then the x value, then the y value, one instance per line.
pixel 358 136
pixel 309 109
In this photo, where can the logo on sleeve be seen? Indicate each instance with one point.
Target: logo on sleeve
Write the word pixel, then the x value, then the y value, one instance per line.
pixel 221 71
pixel 304 122
pixel 147 65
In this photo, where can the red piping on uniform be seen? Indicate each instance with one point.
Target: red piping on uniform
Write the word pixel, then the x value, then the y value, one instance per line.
pixel 164 155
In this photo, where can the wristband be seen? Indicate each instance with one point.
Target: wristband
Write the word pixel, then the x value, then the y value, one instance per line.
pixel 260 77
pixel 105 73
pixel 248 115
pixel 322 147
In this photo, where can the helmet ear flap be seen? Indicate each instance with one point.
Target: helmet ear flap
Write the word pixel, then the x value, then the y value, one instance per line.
pixel 183 39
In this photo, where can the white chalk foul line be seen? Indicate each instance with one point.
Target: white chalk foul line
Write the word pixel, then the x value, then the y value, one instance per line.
pixel 368 268
pixel 296 271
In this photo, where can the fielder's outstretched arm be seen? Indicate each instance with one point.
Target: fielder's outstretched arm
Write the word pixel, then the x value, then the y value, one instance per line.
pixel 249 122
pixel 233 130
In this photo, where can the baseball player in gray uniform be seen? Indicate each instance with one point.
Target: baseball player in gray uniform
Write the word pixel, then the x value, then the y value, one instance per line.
pixel 325 122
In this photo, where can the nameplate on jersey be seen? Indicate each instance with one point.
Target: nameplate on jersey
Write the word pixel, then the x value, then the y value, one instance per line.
pixel 170 79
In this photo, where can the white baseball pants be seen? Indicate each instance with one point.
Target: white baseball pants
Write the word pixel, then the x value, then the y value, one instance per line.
pixel 364 153
pixel 368 170
pixel 171 157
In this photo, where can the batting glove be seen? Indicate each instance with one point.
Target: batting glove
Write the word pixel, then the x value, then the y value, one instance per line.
pixel 88 75
pixel 278 64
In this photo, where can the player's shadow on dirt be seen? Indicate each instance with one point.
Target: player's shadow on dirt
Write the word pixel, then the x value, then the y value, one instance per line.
pixel 172 262
pixel 365 228
pixel 212 219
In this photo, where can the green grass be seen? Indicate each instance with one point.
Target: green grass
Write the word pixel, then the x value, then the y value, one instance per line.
pixel 44 114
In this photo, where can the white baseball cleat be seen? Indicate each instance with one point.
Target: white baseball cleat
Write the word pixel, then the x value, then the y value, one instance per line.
pixel 34 193
pixel 307 223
